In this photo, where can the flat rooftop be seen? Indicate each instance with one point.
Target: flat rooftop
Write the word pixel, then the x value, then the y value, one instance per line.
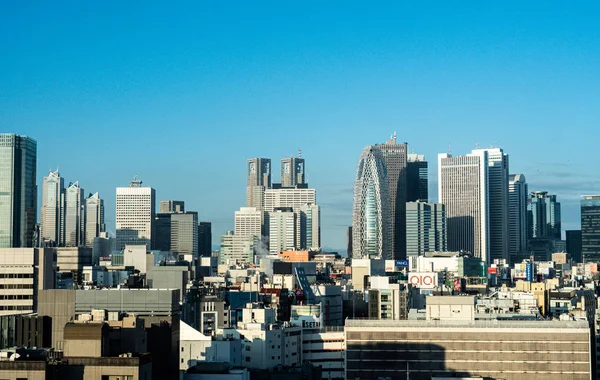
pixel 553 324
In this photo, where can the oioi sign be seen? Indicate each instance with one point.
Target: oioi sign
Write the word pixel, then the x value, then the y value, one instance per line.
pixel 423 280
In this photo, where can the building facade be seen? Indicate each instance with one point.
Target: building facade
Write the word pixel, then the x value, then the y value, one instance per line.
pixel 18 190
pixel 204 239
pixel 171 206
pixel 310 226
pixel 590 229
pixel 417 182
pixel 258 173
pixel 292 172
pixel 282 230
pixel 517 215
pixel 184 234
pixel 543 216
pixel 372 215
pixel 94 218
pixel 425 228
pixel 74 215
pixel 395 160
pixel 463 189
pixel 288 197
pixel 51 215
pixel 574 245
pixel 238 249
pixel 136 206
pixel 249 221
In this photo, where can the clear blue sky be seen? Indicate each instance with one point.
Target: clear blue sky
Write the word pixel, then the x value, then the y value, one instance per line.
pixel 183 93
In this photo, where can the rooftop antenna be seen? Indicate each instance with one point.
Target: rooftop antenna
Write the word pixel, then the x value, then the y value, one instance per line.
pixel 476 145
pixel 394 137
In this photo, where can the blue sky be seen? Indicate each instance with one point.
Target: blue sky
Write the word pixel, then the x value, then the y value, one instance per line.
pixel 182 94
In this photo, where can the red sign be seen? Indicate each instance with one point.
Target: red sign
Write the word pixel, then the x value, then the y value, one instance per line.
pixel 492 270
pixel 423 280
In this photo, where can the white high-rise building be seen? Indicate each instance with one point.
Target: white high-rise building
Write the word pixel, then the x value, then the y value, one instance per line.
pixel 94 218
pixel 288 197
pixel 249 222
pixel 463 189
pixel 74 216
pixel 517 214
pixel 136 207
pixel 282 230
pixel 310 226
pixel 498 202
pixel 51 220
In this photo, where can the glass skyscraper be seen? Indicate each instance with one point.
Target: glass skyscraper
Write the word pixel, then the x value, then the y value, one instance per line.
pixel 590 229
pixel 18 192
pixel 417 178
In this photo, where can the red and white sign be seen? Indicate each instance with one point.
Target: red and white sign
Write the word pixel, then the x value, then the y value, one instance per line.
pixel 423 280
pixel 492 270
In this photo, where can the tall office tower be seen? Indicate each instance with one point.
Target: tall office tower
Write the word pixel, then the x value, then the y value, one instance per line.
pixel 249 221
pixel 53 191
pixel 74 216
pixel 417 178
pixel 310 227
pixel 497 201
pixel 292 172
pixel 171 206
pixel 94 218
pixel 463 189
pixel 371 215
pixel 282 230
pixel 238 249
pixel 394 157
pixel 517 215
pixel 204 239
pixel 136 207
pixel 18 191
pixel 161 233
pixel 574 244
pixel 543 216
pixel 349 242
pixel 184 234
pixel 590 229
pixel 425 228
pixel 258 180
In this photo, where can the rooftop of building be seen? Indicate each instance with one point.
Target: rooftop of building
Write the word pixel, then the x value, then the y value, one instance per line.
pixel 495 324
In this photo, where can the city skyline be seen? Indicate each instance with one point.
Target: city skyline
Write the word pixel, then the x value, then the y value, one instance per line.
pixel 447 77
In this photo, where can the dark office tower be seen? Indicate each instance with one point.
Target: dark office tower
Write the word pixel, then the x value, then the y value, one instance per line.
pixel 161 236
pixel 590 229
pixel 574 244
pixel 292 171
pixel 258 171
pixel 416 178
pixel 349 242
pixel 517 215
pixel 204 239
pixel 394 157
pixel 18 192
pixel 543 216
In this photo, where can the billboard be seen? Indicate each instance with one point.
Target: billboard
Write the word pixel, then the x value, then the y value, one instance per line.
pixel 401 263
pixel 492 270
pixel 520 270
pixel 389 266
pixel 423 280
pixel 529 271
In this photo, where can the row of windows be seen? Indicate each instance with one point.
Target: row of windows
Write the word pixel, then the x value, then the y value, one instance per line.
pixel 12 307
pixel 16 297
pixel 16 286
pixel 16 275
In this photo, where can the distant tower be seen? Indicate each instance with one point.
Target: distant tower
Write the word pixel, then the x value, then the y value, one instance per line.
pixel 94 218
pixel 372 214
pixel 292 172
pixel 417 179
pixel 51 220
pixel 136 206
pixel 425 228
pixel 171 206
pixel 517 215
pixel 258 172
pixel 463 189
pixel 395 160
pixel 74 216
pixel 18 191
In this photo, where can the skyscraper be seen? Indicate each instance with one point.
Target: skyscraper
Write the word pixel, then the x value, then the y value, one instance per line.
pixel 136 207
pixel 184 234
pixel 249 221
pixel 310 227
pixel 94 218
pixel 497 201
pixel 417 179
pixel 74 215
pixel 204 239
pixel 574 245
pixel 463 189
pixel 18 191
pixel 425 228
pixel 543 216
pixel 282 230
pixel 258 171
pixel 590 229
pixel 51 219
pixel 292 172
pixel 394 157
pixel 372 215
pixel 171 206
pixel 517 215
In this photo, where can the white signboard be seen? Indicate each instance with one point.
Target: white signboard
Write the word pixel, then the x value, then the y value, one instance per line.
pixel 423 280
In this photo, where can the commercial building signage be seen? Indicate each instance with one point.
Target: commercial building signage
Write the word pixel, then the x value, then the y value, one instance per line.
pixel 529 271
pixel 401 263
pixel 423 280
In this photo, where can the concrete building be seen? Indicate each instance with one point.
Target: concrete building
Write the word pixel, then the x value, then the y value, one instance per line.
pixel 310 227
pixel 73 259
pixel 184 234
pixel 517 215
pixel 24 272
pixel 463 189
pixel 510 350
pixel 18 190
pixel 249 221
pixel 135 214
pixel 282 230
pixel 395 160
pixel 372 232
pixel 325 350
pixel 197 347
pixel 204 239
pixel 170 207
pixel 51 215
pixel 425 228
pixel 417 178
pixel 590 228
pixel 292 172
pixel 74 216
pixel 137 256
pixel 94 218
pixel 387 301
pixel 169 277
pixel 238 249
pixel 288 197
pixel 258 172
